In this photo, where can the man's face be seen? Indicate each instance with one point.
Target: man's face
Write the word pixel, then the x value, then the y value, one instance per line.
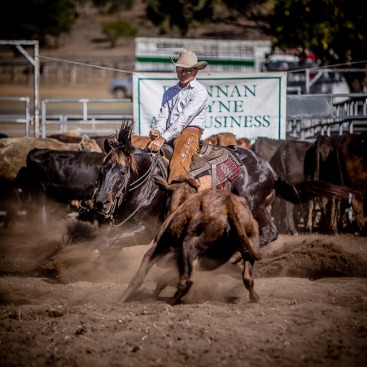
pixel 185 76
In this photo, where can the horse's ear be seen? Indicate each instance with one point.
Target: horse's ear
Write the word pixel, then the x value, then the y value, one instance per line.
pixel 128 146
pixel 106 146
pixel 109 144
pixel 162 183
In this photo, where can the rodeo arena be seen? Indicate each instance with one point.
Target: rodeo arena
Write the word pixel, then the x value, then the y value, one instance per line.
pixel 90 226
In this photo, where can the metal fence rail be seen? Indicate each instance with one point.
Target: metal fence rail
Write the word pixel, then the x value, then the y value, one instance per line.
pixel 307 115
pixel 87 122
pixel 326 114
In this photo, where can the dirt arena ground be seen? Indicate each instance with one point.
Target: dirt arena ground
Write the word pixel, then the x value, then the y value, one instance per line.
pixel 59 306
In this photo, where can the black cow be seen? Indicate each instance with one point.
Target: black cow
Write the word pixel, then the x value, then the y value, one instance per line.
pixel 58 176
pixel 288 163
pixel 352 155
pixel 341 160
pixel 10 199
pixel 321 164
pixel 266 146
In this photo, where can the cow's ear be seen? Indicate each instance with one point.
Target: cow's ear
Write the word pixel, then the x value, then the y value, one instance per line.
pixel 192 182
pixel 187 180
pixel 162 183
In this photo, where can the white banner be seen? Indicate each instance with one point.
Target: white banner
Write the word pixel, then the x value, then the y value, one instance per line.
pixel 247 105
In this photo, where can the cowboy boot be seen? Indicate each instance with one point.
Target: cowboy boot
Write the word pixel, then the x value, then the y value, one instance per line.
pixel 184 147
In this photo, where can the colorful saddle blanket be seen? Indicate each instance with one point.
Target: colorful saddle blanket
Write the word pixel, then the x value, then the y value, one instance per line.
pixel 220 162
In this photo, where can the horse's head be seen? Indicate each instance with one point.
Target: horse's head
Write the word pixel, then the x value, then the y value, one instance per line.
pixel 115 172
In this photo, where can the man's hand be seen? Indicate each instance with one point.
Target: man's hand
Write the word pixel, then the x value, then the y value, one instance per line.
pixel 154 134
pixel 156 144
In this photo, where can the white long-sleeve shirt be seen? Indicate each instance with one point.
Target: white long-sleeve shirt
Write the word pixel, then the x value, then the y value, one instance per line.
pixel 181 108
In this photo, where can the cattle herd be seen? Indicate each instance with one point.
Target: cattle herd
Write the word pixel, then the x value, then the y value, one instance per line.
pixel 339 160
pixel 34 170
pixel 39 174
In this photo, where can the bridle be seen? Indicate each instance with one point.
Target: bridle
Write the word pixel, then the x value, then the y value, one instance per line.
pixel 155 160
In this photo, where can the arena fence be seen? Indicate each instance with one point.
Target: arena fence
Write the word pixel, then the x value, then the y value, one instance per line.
pixel 93 119
pixel 307 115
pixel 326 114
pixel 15 124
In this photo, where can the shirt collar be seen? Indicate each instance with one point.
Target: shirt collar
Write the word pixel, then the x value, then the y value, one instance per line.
pixel 192 84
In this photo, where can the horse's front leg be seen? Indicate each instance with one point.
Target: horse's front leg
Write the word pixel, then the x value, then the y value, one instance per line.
pixel 261 210
pixel 267 229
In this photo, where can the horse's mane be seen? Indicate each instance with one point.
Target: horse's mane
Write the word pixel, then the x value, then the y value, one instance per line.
pixel 121 145
pixel 124 134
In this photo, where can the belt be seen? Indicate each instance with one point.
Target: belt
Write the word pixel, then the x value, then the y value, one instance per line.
pixel 195 130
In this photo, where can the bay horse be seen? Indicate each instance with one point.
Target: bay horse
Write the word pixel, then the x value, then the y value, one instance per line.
pixel 127 195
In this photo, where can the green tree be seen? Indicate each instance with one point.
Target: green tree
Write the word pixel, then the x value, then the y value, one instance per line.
pixel 178 14
pixel 183 15
pixel 335 30
pixel 114 30
pixel 112 6
pixel 36 19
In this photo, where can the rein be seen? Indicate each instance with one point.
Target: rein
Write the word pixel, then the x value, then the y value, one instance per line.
pixel 118 198
pixel 143 178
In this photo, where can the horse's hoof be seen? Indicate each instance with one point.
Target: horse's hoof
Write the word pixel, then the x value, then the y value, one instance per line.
pixel 174 302
pixel 124 298
pixel 254 298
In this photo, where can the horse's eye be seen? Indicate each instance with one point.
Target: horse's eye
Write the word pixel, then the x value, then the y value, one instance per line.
pixel 122 172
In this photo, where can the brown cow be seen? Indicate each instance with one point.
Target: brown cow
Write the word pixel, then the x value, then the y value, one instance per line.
pixel 225 139
pixel 222 139
pixel 140 141
pixel 202 228
pixel 244 142
pixel 67 137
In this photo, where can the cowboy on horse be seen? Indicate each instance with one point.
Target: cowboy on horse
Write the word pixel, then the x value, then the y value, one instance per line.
pixel 181 119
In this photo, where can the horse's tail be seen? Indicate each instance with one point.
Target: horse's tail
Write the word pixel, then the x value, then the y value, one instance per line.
pixel 304 191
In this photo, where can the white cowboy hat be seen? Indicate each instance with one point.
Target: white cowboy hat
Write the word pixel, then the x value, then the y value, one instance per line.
pixel 189 60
